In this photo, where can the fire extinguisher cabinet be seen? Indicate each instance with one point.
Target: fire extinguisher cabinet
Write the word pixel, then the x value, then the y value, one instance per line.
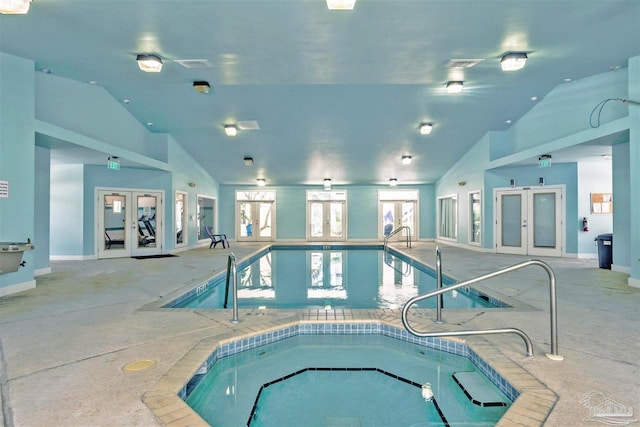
pixel 605 250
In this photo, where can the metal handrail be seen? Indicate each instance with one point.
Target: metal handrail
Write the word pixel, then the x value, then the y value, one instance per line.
pixel 396 231
pixel 552 306
pixel 232 269
pixel 406 269
pixel 439 285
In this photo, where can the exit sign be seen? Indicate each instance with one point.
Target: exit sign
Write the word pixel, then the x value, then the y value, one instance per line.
pixel 113 164
pixel 544 162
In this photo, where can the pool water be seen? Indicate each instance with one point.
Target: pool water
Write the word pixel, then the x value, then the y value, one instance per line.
pixel 329 278
pixel 319 380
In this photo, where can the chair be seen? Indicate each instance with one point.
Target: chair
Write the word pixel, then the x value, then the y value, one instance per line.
pixel 216 238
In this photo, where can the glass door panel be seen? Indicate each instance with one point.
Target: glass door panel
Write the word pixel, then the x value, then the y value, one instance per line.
pixel 316 220
pixel 115 225
pixel 395 214
pixel 205 216
pixel 255 221
pixel 388 217
pixel 181 218
pixel 264 224
pixel 326 221
pixel 245 210
pixel 336 225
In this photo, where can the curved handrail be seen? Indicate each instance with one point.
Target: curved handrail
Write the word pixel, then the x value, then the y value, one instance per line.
pixel 552 297
pixel 396 231
pixel 232 269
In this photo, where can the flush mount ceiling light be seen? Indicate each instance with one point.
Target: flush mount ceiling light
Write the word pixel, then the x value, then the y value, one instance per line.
pixel 426 128
pixel 230 130
pixel 149 63
pixel 201 87
pixel 9 7
pixel 393 182
pixel 327 184
pixel 513 61
pixel 406 160
pixel 341 4
pixel 248 161
pixel 261 182
pixel 454 86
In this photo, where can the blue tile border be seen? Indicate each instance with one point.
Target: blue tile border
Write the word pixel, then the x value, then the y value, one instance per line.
pixel 259 340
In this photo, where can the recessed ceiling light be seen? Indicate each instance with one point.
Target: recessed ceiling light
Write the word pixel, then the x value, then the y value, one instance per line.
pixel 513 61
pixel 10 7
pixel 149 124
pixel 341 4
pixel 426 128
pixel 393 182
pixel 149 63
pixel 406 160
pixel 261 182
pixel 508 122
pixel 93 82
pixel 534 98
pixel 201 86
pixel 126 101
pixel 230 130
pixel 454 86
pixel 567 80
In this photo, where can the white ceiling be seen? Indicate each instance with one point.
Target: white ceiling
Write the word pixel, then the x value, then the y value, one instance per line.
pixel 337 94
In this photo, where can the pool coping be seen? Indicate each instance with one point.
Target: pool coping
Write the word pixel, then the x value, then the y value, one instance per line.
pixel 531 408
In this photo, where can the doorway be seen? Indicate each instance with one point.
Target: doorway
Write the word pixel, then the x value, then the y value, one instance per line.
pixel 530 221
pixel 326 220
pixel 129 223
pixel 255 213
pixel 397 208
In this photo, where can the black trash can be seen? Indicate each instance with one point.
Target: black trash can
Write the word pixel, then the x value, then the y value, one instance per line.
pixel 605 250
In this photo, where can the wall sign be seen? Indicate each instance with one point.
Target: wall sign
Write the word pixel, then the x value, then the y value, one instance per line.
pixel 601 203
pixel 4 189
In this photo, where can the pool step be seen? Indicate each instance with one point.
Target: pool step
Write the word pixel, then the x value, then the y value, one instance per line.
pixel 479 389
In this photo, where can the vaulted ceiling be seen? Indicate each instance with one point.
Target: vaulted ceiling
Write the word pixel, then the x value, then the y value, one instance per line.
pixel 336 94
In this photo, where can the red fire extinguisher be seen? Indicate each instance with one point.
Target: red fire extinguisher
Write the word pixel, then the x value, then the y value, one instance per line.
pixel 585 224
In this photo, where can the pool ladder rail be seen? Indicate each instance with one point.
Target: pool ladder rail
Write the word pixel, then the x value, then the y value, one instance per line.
pixel 396 231
pixel 440 290
pixel 232 270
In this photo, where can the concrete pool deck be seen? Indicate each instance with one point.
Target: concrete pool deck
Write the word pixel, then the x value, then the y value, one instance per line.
pixel 63 345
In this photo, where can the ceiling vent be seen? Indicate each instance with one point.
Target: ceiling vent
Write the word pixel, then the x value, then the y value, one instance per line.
pixel 247 125
pixel 195 63
pixel 462 63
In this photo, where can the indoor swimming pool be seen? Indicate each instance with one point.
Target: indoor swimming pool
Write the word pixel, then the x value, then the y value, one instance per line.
pixel 329 277
pixel 349 374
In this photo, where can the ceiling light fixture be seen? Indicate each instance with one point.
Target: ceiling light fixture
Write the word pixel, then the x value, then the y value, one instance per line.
pixel 11 7
pixel 248 161
pixel 454 86
pixel 261 182
pixel 513 61
pixel 327 184
pixel 426 128
pixel 393 182
pixel 406 160
pixel 341 4
pixel 230 130
pixel 149 63
pixel 201 87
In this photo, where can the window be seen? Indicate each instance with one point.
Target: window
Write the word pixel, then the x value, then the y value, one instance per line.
pixel 448 217
pixel 475 217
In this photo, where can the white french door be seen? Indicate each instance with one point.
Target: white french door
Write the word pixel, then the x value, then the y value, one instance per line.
pixel 326 220
pixel 129 223
pixel 255 221
pixel 530 221
pixel 394 214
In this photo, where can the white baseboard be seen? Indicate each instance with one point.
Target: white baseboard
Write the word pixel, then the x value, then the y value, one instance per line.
pixel 42 271
pixel 71 257
pixel 633 282
pixel 18 287
pixel 621 269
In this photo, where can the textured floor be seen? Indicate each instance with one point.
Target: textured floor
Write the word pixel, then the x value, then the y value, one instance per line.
pixel 64 344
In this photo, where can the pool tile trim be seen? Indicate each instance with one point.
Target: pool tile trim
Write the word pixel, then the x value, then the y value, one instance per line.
pixel 166 397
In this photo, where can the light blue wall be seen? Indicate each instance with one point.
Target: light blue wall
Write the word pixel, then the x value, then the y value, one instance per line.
pixel 621 206
pixel 42 208
pixel 17 162
pixel 634 173
pixel 67 210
